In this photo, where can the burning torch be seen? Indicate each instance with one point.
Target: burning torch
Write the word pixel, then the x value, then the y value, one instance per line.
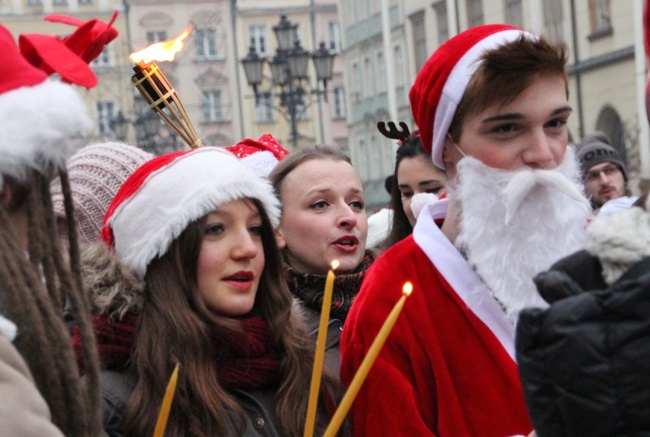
pixel 156 89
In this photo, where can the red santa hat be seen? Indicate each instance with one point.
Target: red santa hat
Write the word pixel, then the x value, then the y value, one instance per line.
pixel 441 83
pixel 261 155
pixel 165 194
pixel 38 116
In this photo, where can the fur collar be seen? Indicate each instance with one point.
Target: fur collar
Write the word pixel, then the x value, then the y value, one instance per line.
pixel 619 240
pixel 112 287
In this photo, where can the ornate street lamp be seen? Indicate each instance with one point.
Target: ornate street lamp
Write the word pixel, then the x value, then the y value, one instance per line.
pixel 120 126
pixel 289 68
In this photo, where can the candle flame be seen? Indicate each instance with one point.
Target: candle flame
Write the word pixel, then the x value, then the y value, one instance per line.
pixel 407 289
pixel 161 51
pixel 335 264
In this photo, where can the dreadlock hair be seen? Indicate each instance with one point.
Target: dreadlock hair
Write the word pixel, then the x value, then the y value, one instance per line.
pixel 175 325
pixel 34 291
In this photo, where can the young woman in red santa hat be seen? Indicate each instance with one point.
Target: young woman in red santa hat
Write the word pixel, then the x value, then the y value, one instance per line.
pixel 193 277
pixel 323 219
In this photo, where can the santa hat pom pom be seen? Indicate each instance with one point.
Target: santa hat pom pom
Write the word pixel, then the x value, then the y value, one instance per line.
pixel 421 200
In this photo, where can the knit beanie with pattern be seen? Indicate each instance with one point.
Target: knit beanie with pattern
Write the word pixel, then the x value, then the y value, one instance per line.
pixel 96 172
pixel 596 148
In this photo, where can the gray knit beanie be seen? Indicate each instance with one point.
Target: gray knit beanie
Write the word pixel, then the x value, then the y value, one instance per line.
pixel 595 148
pixel 96 172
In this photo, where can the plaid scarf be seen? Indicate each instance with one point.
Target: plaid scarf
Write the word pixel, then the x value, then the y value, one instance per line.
pixel 310 288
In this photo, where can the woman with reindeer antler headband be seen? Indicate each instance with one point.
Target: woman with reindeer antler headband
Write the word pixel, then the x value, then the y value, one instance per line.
pixel 416 181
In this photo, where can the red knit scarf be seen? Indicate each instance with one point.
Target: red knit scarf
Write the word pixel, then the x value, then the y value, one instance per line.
pixel 252 363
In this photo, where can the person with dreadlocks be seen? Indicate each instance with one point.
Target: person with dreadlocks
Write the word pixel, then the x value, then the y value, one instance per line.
pixel 40 389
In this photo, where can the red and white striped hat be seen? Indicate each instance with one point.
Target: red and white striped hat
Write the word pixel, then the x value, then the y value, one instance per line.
pixel 441 83
pixel 164 195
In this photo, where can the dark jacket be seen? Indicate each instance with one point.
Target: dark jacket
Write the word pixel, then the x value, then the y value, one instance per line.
pixel 585 361
pixel 332 359
pixel 117 387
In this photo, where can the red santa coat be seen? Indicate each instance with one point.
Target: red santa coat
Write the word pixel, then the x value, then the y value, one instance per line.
pixel 447 368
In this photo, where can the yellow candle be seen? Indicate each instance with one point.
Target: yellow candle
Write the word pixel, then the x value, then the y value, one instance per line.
pixel 163 415
pixel 366 364
pixel 320 352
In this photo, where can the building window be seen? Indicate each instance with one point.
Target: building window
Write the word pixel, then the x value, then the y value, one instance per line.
pixel 419 39
pixel 369 75
pixel 356 77
pixel 105 58
pixel 552 10
pixel 514 14
pixel 334 34
pixel 474 13
pixel 600 18
pixel 206 43
pixel 399 66
pixel 60 2
pixel 33 2
pixel 156 36
pixel 339 102
pixel 258 38
pixel 212 106
pixel 264 109
pixel 365 162
pixel 440 10
pixel 105 113
pixel 381 73
pixel 85 2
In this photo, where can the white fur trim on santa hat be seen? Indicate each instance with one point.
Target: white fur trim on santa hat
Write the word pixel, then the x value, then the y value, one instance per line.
pixel 36 125
pixel 261 163
pixel 186 189
pixel 456 84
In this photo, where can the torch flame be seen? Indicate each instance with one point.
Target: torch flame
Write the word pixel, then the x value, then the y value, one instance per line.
pixel 161 51
pixel 335 264
pixel 407 289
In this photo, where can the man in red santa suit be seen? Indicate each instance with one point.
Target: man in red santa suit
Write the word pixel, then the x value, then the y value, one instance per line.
pixel 492 106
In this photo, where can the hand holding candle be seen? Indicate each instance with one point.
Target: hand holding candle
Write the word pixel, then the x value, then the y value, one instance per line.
pixel 320 352
pixel 367 363
pixel 163 415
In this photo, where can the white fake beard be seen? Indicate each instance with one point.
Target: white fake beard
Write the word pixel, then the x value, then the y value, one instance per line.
pixel 516 224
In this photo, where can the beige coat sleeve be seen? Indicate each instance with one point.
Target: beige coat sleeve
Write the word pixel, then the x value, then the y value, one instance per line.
pixel 23 411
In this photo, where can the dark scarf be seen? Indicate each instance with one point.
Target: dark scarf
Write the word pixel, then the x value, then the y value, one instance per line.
pixel 310 288
pixel 251 364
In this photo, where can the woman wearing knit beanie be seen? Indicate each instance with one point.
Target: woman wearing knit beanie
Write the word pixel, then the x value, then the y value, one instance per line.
pixel 323 219
pixel 193 277
pixel 95 173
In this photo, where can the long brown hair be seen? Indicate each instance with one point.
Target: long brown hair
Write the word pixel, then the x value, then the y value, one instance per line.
pixel 176 326
pixel 34 290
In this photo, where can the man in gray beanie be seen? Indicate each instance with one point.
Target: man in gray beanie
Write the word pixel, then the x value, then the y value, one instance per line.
pixel 603 170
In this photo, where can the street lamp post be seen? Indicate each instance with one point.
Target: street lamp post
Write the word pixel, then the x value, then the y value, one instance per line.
pixel 289 71
pixel 147 131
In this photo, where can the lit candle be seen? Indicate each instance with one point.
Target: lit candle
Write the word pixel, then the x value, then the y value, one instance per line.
pixel 163 415
pixel 320 352
pixel 366 364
